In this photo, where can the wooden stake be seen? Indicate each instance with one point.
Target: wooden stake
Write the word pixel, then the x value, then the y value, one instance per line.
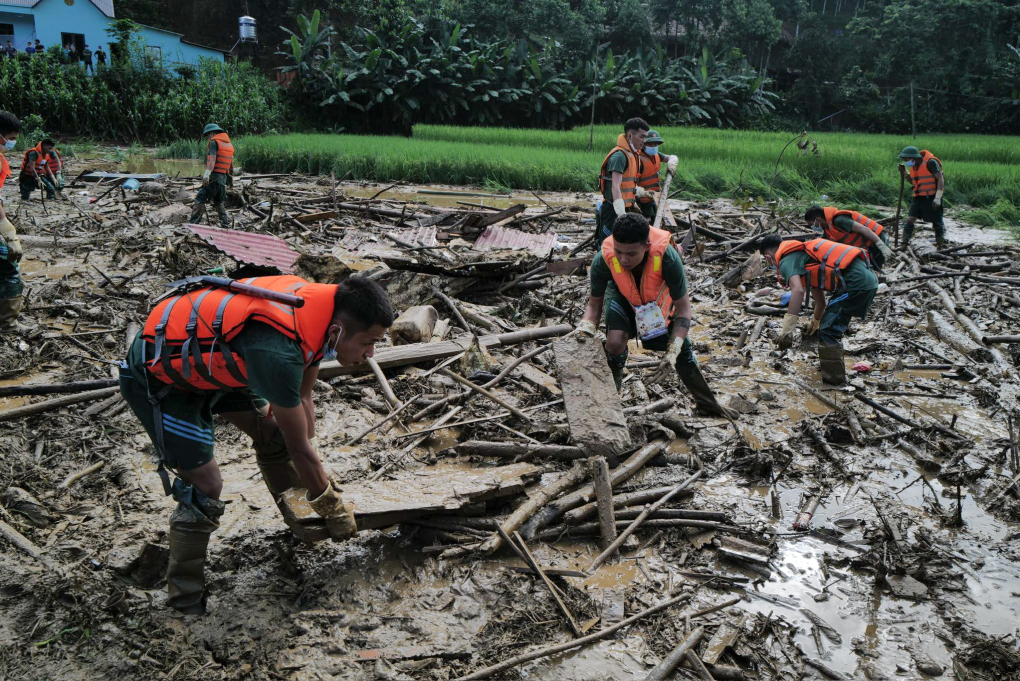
pixel 604 500
pixel 387 390
pixel 673 660
pixel 485 393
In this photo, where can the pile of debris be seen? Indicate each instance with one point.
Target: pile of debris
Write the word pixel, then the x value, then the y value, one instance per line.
pixel 520 516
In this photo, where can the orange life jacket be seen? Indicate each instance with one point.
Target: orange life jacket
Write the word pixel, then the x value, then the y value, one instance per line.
pixel 653 285
pixel 833 233
pixel 628 186
pixel 5 170
pixel 224 153
pixel 184 327
pixel 649 175
pixel 41 161
pixel 826 261
pixel 923 180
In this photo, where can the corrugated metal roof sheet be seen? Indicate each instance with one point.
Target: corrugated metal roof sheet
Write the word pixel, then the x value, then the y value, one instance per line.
pixel 256 249
pixel 495 237
pixel 104 6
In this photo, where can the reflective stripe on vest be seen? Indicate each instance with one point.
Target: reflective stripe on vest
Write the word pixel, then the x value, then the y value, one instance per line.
pixel 648 176
pixel 827 261
pixel 653 285
pixel 191 332
pixel 834 233
pixel 924 181
pixel 628 185
pixel 224 152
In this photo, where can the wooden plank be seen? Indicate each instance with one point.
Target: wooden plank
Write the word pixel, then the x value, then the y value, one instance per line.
pixel 315 217
pixel 502 215
pixel 725 636
pixel 541 380
pixel 594 409
pixel 412 494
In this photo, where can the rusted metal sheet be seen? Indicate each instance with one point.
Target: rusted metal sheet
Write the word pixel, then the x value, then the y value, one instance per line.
pixel 365 243
pixel 495 238
pixel 255 249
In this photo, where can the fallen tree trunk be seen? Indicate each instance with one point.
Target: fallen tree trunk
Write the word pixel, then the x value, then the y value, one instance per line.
pixel 514 449
pixel 57 403
pixel 50 388
pixel 940 328
pixel 587 493
pixel 989 340
pixel 620 501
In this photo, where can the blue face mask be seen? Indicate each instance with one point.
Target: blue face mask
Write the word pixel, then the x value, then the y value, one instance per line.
pixel 9 144
pixel 329 353
pixel 651 151
pixel 909 164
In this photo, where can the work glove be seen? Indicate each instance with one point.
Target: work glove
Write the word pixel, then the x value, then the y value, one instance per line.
pixel 937 203
pixel 585 328
pixel 668 362
pixel 672 163
pixel 339 516
pixel 641 192
pixel 60 181
pixel 786 335
pixel 10 238
pixel 884 249
pixel 205 177
pixel 812 327
pixel 620 207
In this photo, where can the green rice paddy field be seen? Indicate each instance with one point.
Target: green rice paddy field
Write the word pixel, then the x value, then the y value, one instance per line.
pixel 982 172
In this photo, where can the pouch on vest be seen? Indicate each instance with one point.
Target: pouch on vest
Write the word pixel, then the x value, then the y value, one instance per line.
pixel 649 321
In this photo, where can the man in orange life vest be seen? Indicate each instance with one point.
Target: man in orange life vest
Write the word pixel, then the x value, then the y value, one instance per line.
pixel 925 172
pixel 823 265
pixel 41 165
pixel 639 277
pixel 622 169
pixel 648 181
pixel 11 285
pixel 219 162
pixel 253 361
pixel 851 228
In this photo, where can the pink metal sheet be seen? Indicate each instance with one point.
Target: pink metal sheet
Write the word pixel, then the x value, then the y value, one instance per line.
pixel 495 238
pixel 255 249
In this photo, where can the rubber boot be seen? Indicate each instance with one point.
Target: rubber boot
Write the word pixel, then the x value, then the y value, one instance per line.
pixel 277 468
pixel 908 234
pixel 692 378
pixel 830 358
pixel 191 524
pixel 10 309
pixel 617 363
pixel 196 212
pixel 221 210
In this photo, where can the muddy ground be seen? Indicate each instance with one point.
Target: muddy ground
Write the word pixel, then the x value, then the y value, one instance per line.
pixel 910 566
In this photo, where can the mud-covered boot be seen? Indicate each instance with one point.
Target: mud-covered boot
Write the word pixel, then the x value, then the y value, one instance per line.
pixel 908 234
pixel 617 363
pixel 191 525
pixel 10 309
pixel 196 212
pixel 692 378
pixel 830 359
pixel 221 210
pixel 277 468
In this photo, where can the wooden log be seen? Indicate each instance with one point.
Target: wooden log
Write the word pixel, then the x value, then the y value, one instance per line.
pixel 577 643
pixel 533 564
pixel 392 415
pixel 22 543
pixel 620 501
pixel 418 353
pixel 50 388
pixel 75 477
pixel 695 662
pixel 972 329
pixel 105 404
pixel 903 419
pixel 604 500
pixel 612 548
pixel 515 449
pixel 56 403
pixel 505 214
pixel 673 660
pixel 414 325
pixel 622 473
pixel 384 384
pixel 565 482
pixel 556 531
pixel 488 395
pixel 940 329
pixel 990 340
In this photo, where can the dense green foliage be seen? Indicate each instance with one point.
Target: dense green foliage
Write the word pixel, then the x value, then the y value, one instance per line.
pixel 139 99
pixel 857 170
pixel 446 75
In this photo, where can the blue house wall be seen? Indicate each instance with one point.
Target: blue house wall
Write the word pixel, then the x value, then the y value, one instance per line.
pixel 48 19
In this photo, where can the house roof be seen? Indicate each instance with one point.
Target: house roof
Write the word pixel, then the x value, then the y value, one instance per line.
pixel 104 6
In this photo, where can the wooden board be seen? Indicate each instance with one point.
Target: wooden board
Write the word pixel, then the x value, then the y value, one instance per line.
pixel 97 175
pixel 541 380
pixel 315 217
pixel 413 494
pixel 594 409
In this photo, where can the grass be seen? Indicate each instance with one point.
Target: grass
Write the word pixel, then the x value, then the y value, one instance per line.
pixel 852 170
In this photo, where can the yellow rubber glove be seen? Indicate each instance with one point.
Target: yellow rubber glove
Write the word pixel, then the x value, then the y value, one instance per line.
pixel 10 238
pixel 585 328
pixel 786 335
pixel 668 362
pixel 339 516
pixel 812 327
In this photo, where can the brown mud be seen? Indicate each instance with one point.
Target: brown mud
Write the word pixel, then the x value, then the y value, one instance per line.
pixel 910 568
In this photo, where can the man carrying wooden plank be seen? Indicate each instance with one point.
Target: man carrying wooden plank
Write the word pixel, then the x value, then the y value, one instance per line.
pixel 639 277
pixel 248 351
pixel 823 265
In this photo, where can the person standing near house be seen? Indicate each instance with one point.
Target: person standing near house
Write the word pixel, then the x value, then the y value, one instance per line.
pixel 10 246
pixel 100 56
pixel 39 49
pixel 11 50
pixel 72 53
pixel 219 162
pixel 30 48
pixel 86 60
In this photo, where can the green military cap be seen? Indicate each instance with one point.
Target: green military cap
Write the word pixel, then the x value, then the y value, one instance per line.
pixel 212 127
pixel 910 152
pixel 653 138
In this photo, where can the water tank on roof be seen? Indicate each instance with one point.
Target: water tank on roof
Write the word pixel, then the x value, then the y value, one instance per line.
pixel 246 29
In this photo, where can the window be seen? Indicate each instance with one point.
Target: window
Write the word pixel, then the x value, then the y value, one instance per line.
pixel 7 30
pixel 76 39
pixel 154 52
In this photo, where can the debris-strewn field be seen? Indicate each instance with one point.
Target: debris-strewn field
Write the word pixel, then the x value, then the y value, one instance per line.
pixel 904 487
